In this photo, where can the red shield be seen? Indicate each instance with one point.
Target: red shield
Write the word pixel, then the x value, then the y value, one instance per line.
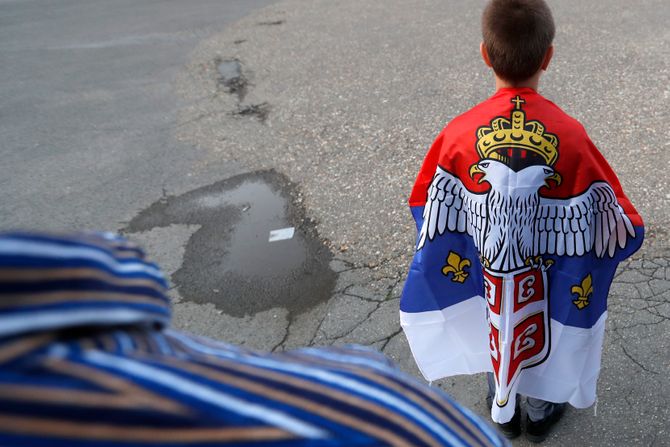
pixel 519 324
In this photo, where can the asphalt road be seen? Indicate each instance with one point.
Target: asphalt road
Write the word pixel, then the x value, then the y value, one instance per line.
pixel 88 108
pixel 138 116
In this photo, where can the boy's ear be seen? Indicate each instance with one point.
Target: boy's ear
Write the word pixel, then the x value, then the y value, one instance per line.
pixel 485 54
pixel 547 58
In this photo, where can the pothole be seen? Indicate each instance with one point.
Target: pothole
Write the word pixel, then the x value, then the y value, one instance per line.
pixel 255 249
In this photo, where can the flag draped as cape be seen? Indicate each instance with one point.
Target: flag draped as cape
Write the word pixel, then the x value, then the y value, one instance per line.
pixel 521 224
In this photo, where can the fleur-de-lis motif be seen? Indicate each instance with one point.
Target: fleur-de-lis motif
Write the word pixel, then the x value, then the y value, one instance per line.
pixel 583 291
pixel 456 266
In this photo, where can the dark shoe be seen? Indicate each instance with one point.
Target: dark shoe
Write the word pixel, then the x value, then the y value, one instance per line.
pixel 539 430
pixel 511 429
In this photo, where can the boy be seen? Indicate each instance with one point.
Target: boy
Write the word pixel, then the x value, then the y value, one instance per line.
pixel 521 224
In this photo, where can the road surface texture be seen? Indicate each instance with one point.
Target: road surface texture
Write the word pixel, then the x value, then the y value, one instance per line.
pixel 330 107
pixel 88 106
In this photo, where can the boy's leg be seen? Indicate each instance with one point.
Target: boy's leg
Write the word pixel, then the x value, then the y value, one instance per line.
pixel 491 382
pixel 539 409
pixel 542 415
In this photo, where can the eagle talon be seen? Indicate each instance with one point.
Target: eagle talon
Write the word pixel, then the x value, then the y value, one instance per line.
pixel 533 262
pixel 485 262
pixel 548 263
pixel 538 263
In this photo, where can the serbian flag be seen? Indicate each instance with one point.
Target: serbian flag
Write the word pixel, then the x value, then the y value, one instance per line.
pixel 521 224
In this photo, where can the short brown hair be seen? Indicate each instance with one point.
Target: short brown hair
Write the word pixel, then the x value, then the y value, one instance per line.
pixel 517 34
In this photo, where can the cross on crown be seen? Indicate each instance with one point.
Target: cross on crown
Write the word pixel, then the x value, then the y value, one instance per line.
pixel 504 136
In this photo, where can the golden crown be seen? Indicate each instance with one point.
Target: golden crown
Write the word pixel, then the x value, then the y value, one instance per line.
pixel 504 136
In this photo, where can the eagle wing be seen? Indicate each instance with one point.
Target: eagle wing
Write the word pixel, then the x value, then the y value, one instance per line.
pixel 450 206
pixel 592 221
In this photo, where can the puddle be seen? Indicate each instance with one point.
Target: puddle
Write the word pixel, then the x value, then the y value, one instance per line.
pixel 230 261
pixel 229 70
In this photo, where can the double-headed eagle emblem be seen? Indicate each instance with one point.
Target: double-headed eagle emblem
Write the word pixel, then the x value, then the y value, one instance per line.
pixel 512 224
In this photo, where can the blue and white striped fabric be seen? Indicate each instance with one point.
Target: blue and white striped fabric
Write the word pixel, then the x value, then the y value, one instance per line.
pixel 87 359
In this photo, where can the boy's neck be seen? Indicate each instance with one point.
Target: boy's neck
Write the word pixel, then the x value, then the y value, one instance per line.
pixel 532 82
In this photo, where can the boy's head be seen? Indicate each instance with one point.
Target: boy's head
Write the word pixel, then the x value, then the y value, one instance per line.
pixel 517 37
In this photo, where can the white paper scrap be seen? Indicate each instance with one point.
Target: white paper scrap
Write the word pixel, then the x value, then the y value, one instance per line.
pixel 281 234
